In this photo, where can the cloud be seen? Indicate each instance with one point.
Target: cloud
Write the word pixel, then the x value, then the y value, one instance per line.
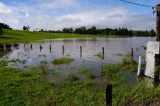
pixel 52 4
pixel 4 8
pixel 36 16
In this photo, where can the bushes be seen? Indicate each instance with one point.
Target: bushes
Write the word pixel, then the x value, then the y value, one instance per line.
pixel 65 60
pixel 1 31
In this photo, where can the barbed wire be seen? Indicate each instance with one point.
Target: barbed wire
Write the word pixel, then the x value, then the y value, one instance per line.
pixel 142 5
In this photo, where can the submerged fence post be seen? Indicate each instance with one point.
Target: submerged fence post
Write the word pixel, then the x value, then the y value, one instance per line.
pixel 109 95
pixel 50 48
pixel 24 46
pixel 80 51
pixel 31 47
pixel 62 49
pixel 139 67
pixel 132 52
pixel 4 47
pixel 102 52
pixel 40 47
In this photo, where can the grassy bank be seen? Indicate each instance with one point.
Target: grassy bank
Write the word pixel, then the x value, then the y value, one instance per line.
pixel 10 36
pixel 17 36
pixel 127 94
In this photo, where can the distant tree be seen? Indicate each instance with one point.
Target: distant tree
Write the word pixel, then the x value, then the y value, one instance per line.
pixel 152 33
pixel 4 26
pixel 1 31
pixel 26 28
pixel 42 30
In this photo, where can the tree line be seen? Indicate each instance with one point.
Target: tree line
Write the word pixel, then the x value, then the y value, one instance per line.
pixel 3 26
pixel 106 31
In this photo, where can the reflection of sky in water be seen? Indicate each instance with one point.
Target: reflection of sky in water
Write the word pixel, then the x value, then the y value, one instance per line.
pixel 90 47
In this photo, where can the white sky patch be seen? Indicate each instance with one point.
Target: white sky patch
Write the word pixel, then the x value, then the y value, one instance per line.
pixel 4 8
pixel 52 4
pixel 26 15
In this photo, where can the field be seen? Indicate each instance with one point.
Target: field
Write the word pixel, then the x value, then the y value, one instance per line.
pixel 10 36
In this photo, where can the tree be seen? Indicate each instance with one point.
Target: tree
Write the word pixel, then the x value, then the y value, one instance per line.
pixel 4 26
pixel 1 31
pixel 152 33
pixel 26 28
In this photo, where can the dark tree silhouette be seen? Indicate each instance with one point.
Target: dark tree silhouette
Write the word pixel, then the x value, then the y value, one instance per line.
pixel 1 31
pixel 26 28
pixel 4 26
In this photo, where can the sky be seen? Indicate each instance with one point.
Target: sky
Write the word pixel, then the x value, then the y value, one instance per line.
pixel 59 14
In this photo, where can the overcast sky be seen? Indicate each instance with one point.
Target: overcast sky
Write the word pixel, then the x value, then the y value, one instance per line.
pixel 57 14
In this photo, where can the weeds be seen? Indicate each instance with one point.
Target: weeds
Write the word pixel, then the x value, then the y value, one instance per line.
pixel 3 63
pixel 88 73
pixel 65 60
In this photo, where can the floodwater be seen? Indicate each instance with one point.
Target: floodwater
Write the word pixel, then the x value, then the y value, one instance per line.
pixel 29 55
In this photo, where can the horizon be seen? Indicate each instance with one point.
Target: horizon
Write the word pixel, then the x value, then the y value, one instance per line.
pixel 59 14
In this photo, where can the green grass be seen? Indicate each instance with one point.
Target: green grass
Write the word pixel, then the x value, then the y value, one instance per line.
pixel 26 88
pixel 65 60
pixel 126 94
pixel 114 73
pixel 16 36
pixel 129 64
pixel 3 63
pixel 88 73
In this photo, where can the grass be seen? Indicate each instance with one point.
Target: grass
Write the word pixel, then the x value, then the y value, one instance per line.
pixel 126 94
pixel 26 88
pixel 129 64
pixel 21 88
pixel 65 60
pixel 114 73
pixel 17 36
pixel 88 73
pixel 3 63
pixel 72 78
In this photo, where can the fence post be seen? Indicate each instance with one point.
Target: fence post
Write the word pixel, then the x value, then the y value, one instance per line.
pixel 109 95
pixel 63 49
pixel 80 51
pixel 132 53
pixel 139 67
pixel 31 47
pixel 157 57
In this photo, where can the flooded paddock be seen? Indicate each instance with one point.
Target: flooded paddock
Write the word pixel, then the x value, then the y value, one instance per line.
pixel 86 53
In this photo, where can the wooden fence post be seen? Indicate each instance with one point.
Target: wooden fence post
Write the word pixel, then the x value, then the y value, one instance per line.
pixel 50 48
pixel 80 51
pixel 63 49
pixel 40 47
pixel 109 95
pixel 132 52
pixel 31 47
pixel 157 57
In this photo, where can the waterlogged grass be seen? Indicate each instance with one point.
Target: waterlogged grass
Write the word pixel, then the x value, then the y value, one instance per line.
pixel 26 88
pixel 88 73
pixel 65 60
pixel 114 73
pixel 129 64
pixel 126 94
pixel 3 63
pixel 72 78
